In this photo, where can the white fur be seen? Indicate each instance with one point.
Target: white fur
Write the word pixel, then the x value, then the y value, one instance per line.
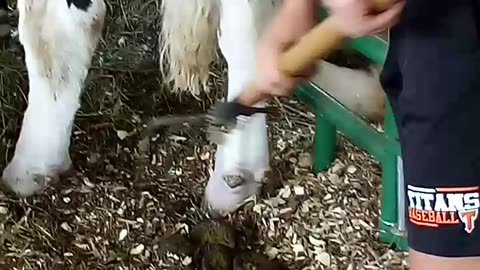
pixel 59 43
pixel 188 42
pixel 246 147
pixel 245 151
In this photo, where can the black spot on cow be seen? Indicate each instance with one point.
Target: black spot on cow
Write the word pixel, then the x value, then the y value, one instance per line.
pixel 80 4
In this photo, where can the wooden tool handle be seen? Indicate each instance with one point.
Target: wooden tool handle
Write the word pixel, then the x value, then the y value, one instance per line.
pixel 314 45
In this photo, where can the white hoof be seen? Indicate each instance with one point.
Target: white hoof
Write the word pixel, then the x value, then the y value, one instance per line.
pixel 227 191
pixel 25 179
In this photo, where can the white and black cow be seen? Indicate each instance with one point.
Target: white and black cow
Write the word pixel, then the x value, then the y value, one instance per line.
pixel 60 36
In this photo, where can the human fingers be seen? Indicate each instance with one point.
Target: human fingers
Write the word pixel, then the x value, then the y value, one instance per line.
pixel 269 79
pixel 288 83
pixel 308 72
pixel 273 82
pixel 385 19
pixel 285 83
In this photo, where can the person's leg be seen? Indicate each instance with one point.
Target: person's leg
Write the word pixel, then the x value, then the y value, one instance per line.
pixel 437 114
pixel 420 261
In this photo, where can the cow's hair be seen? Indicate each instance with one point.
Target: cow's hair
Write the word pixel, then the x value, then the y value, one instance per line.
pixel 188 43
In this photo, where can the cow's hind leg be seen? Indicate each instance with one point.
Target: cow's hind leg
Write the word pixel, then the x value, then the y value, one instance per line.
pixel 59 38
pixel 4 24
pixel 242 161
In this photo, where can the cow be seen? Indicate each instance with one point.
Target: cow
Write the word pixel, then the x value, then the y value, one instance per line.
pixel 60 36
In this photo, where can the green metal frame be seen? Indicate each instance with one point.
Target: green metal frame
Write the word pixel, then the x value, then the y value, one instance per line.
pixel 332 116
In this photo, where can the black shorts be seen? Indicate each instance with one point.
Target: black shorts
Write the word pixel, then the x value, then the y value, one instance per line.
pixel 432 79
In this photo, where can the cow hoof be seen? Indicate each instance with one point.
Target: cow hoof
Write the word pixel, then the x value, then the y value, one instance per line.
pixel 226 193
pixel 25 180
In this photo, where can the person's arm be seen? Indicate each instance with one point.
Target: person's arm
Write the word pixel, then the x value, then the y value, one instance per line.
pixel 355 18
pixel 294 18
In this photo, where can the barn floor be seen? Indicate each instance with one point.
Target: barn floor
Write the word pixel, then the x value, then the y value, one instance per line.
pixel 123 201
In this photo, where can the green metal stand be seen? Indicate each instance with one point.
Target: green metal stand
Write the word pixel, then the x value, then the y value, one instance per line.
pixel 325 144
pixel 332 116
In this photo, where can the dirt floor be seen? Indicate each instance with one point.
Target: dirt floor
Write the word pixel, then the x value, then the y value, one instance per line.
pixel 136 206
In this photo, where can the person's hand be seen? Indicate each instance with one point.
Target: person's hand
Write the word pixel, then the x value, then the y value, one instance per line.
pixel 294 19
pixel 270 79
pixel 355 18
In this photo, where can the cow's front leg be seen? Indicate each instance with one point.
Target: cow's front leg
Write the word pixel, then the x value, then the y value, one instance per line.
pixel 59 38
pixel 242 161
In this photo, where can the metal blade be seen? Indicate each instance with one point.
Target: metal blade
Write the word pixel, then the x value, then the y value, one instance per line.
pixel 217 127
pixel 216 135
pixel 172 120
pixel 216 130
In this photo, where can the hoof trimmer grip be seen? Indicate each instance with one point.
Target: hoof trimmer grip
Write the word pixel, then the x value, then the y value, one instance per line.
pixel 224 118
pixel 226 113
